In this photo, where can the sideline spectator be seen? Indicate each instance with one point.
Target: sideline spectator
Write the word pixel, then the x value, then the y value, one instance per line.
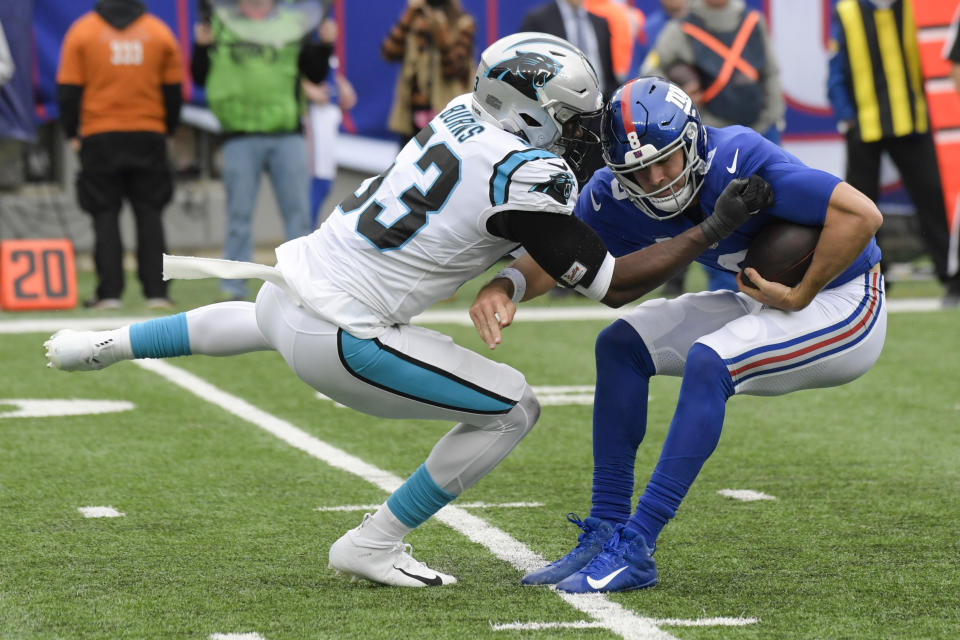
pixel 570 20
pixel 433 42
pixel 730 46
pixel 951 52
pixel 327 101
pixel 6 60
pixel 656 20
pixel 118 89
pixel 880 108
pixel 951 49
pixel 253 90
pixel 626 26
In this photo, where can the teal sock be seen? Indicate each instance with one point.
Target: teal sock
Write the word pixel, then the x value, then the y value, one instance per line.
pixel 160 338
pixel 418 498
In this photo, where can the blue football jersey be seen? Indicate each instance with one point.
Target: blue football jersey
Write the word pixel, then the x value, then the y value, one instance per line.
pixel 801 195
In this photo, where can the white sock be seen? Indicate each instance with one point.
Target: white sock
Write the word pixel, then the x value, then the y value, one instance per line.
pixel 121 348
pixel 383 529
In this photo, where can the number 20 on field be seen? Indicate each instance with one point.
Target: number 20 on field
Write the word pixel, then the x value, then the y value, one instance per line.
pixel 37 274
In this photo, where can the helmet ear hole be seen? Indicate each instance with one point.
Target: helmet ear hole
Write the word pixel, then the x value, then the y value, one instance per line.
pixel 530 120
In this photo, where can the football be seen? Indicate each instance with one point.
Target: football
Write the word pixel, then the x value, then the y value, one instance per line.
pixel 781 252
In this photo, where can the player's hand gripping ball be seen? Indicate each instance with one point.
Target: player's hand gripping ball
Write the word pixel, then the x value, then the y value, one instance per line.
pixel 781 252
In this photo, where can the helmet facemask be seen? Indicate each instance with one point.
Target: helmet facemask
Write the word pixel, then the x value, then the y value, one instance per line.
pixel 677 199
pixel 578 133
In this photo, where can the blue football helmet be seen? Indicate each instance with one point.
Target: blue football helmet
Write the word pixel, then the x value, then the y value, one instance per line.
pixel 646 120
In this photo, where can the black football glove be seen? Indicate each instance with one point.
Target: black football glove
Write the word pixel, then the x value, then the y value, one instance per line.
pixel 740 200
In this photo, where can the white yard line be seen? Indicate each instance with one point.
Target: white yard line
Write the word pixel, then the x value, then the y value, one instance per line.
pixel 45 408
pixel 462 505
pixel 745 495
pixel 609 614
pixel 454 316
pixel 100 512
pixel 675 622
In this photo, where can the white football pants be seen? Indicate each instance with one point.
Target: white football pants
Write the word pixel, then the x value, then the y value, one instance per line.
pixel 834 340
pixel 407 372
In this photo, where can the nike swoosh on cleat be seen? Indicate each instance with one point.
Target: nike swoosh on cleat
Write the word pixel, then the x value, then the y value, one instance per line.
pixel 600 584
pixel 733 167
pixel 435 581
pixel 596 207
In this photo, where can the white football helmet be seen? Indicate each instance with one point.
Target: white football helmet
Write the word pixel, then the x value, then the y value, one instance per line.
pixel 543 89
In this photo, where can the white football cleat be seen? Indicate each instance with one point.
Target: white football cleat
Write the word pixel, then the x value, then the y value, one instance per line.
pixel 392 566
pixel 71 350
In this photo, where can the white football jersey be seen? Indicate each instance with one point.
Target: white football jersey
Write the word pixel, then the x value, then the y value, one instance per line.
pixel 412 235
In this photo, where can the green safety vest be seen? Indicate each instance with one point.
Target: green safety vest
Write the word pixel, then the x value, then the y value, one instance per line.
pixel 252 87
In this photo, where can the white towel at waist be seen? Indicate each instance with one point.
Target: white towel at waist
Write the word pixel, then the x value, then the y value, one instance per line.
pixel 194 268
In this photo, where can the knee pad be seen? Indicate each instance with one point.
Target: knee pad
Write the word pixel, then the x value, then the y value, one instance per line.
pixel 620 342
pixel 520 419
pixel 528 410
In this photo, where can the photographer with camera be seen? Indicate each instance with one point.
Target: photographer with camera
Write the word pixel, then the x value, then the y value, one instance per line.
pixel 433 42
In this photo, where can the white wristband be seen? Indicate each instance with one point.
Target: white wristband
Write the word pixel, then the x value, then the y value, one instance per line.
pixel 519 282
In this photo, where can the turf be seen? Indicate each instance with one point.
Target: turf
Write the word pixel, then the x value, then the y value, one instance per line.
pixel 189 294
pixel 221 534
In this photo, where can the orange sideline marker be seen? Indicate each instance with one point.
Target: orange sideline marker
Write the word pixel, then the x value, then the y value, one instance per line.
pixel 37 274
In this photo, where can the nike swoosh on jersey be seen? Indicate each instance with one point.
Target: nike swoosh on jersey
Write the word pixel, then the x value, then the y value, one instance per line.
pixel 435 581
pixel 600 584
pixel 596 207
pixel 733 167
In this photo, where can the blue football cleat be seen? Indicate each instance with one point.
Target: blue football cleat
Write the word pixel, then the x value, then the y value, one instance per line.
pixel 625 563
pixel 595 533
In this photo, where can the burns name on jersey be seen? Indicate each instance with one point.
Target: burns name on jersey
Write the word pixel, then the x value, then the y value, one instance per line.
pixel 461 123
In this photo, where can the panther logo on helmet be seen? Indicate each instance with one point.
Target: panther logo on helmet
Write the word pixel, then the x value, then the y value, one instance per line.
pixel 526 72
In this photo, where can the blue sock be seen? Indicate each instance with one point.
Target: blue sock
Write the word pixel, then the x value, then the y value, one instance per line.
pixel 319 188
pixel 161 337
pixel 693 435
pixel 418 498
pixel 624 367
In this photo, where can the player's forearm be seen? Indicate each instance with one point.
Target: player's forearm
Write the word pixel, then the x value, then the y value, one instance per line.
pixel 640 272
pixel 539 281
pixel 852 220
pixel 955 74
pixel 534 280
pixel 637 274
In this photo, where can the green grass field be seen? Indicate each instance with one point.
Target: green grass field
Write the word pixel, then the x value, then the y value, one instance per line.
pixel 221 532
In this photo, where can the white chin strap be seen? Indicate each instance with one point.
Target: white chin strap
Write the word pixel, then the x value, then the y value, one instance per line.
pixel 675 201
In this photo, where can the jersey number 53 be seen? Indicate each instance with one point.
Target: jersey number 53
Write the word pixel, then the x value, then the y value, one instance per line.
pixel 416 202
